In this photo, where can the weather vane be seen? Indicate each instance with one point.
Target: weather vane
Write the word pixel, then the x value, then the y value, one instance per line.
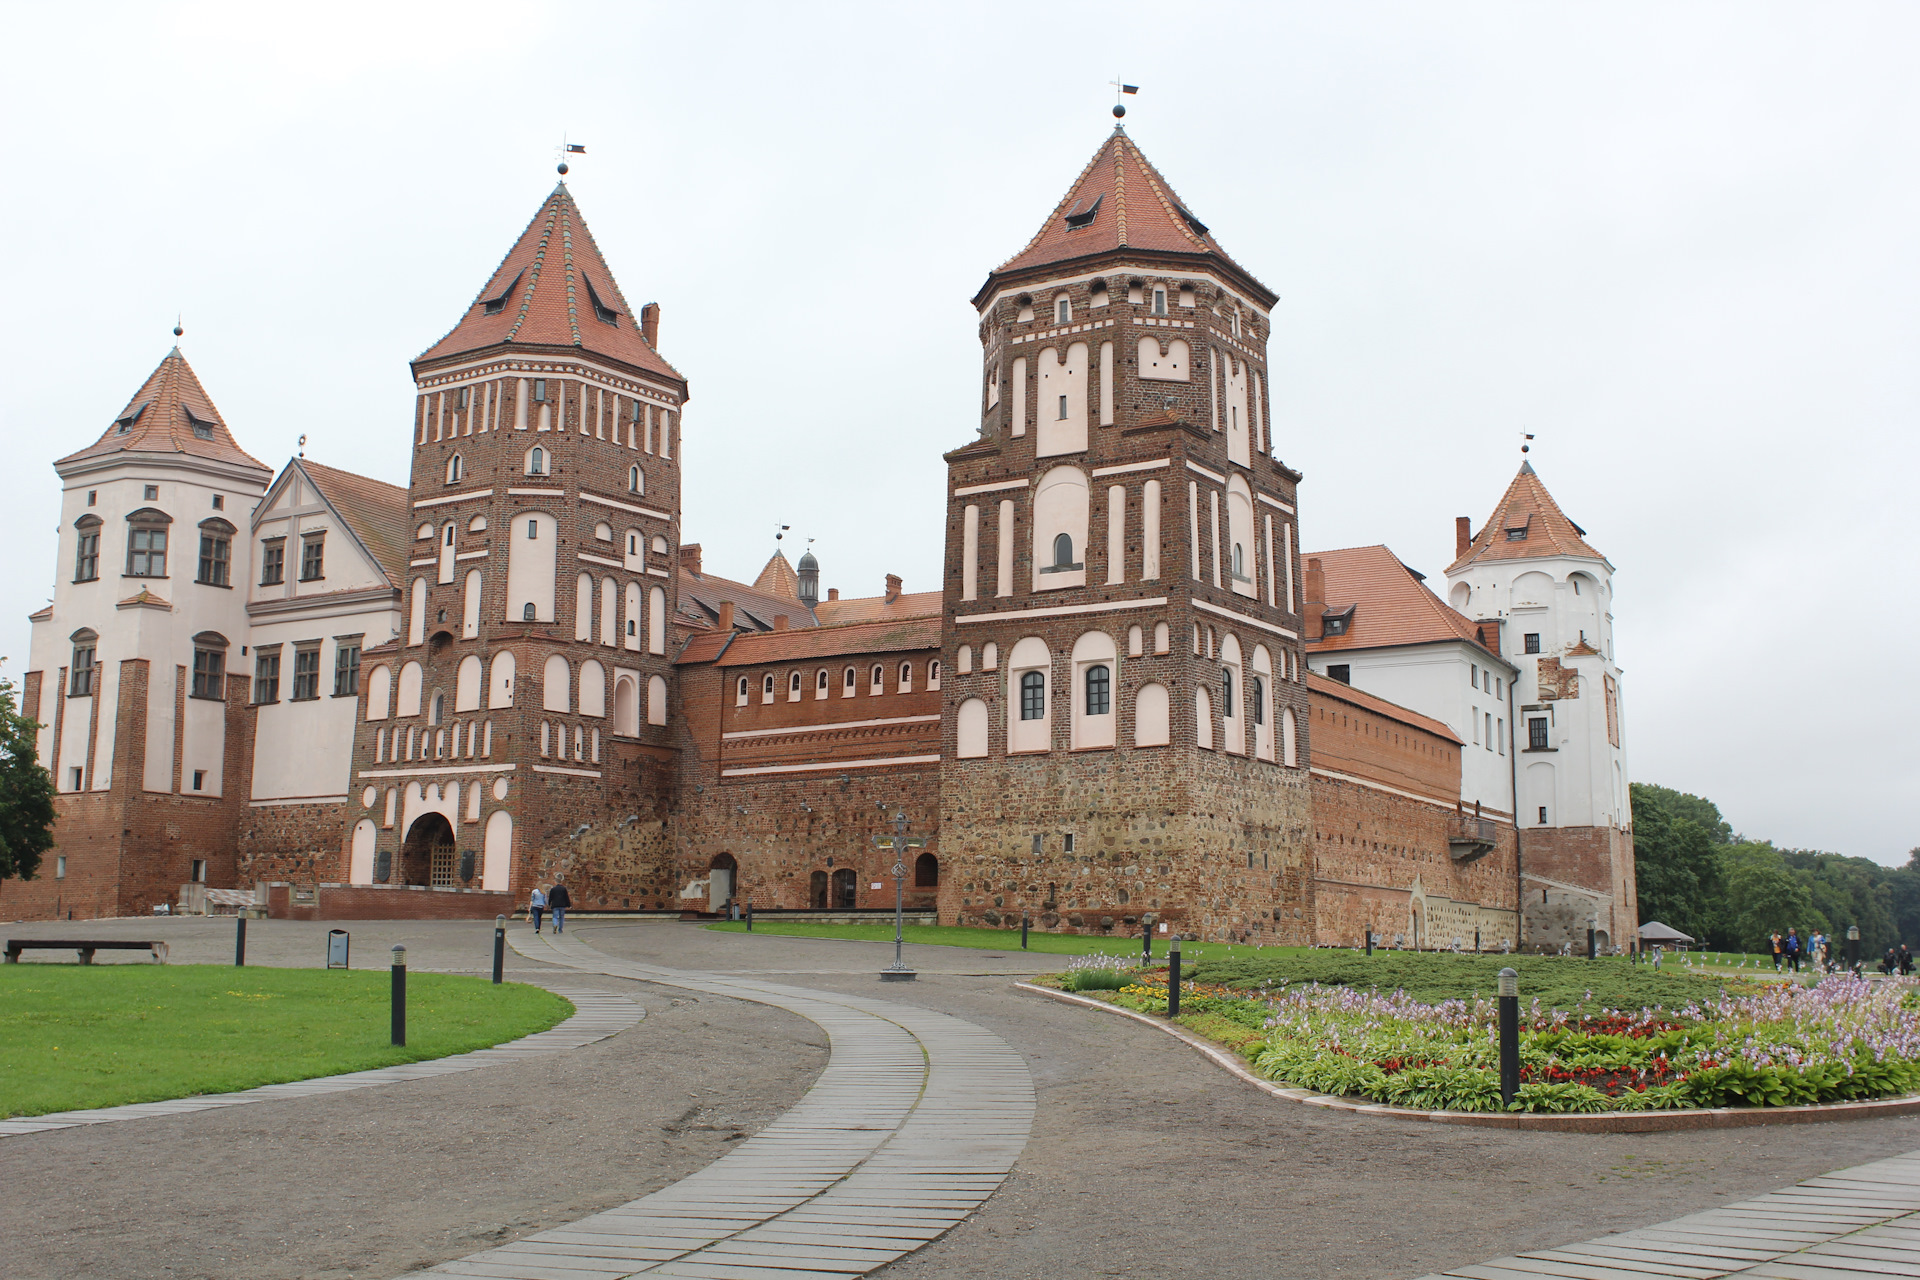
pixel 178 328
pixel 566 149
pixel 1120 87
pixel 1525 436
pixel 303 446
pixel 781 532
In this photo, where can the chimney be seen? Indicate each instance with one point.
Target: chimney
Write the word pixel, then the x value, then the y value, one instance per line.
pixel 726 615
pixel 833 593
pixel 690 557
pixel 1462 535
pixel 650 324
pixel 779 622
pixel 893 587
pixel 1316 605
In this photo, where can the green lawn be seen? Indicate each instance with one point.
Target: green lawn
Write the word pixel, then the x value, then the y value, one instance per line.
pixel 76 1036
pixel 1058 944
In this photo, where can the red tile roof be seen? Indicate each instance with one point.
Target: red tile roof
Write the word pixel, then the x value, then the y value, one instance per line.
pixel 833 642
pixel 1131 206
pixel 778 578
pixel 376 511
pixel 1390 605
pixel 1320 687
pixel 1527 505
pixel 167 415
pixel 544 291
pixel 701 596
pixel 909 604
pixel 705 647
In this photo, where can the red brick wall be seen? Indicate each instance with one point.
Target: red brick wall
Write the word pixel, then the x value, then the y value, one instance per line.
pixel 1597 862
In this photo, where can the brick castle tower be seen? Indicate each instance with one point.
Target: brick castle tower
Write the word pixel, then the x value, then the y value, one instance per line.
pixel 1125 724
pixel 516 728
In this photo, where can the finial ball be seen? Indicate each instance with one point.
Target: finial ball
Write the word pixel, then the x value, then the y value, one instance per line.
pixel 563 168
pixel 1526 448
pixel 1119 110
pixel 177 331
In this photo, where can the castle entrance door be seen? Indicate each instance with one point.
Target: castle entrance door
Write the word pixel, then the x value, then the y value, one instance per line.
pixel 846 889
pixel 427 857
pixel 817 891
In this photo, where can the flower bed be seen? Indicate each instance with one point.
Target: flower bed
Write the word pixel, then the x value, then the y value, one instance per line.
pixel 1846 1039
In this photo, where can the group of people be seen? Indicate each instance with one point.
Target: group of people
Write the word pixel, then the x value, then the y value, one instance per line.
pixel 556 900
pixel 1817 953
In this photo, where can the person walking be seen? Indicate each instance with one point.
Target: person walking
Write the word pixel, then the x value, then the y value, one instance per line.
pixel 558 900
pixel 535 905
pixel 1793 950
pixel 1775 941
pixel 1906 961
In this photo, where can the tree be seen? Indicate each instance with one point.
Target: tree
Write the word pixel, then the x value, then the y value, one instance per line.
pixel 26 792
pixel 1765 896
pixel 1675 867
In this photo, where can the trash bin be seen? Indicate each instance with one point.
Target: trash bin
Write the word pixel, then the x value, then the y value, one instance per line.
pixel 337 949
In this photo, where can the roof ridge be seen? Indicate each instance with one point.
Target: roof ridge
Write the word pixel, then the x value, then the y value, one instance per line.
pixel 1061 203
pixel 1120 187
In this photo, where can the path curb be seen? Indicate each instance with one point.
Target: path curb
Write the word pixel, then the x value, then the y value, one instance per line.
pixel 1591 1122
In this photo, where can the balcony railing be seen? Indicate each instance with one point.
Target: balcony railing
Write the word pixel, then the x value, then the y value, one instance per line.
pixel 1470 838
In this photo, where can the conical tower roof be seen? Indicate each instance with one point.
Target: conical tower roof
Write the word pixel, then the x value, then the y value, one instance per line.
pixel 778 578
pixel 170 413
pixel 1120 201
pixel 553 289
pixel 1527 525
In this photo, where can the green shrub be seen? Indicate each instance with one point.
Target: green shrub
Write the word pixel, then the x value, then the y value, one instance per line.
pixel 1097 980
pixel 1246 1041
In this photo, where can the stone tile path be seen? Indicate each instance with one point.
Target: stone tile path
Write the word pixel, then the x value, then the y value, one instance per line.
pixel 1854 1224
pixel 599 1014
pixel 915 1121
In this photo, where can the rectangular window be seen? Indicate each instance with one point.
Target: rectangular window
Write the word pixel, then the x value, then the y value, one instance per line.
pixel 539 388
pixel 199 870
pixel 1473 675
pixel 266 675
pixel 147 551
pixel 1543 822
pixel 1159 302
pixel 1341 672
pixel 346 668
pixel 93 496
pixel 1062 311
pixel 311 551
pixel 273 561
pixel 199 779
pixel 82 686
pixel 216 550
pixel 60 863
pixel 152 493
pixel 1537 734
pixel 73 781
pixel 1531 641
pixel 1500 730
pixel 306 673
pixel 209 673
pixel 219 502
pixel 1489 716
pixel 1067 843
pixel 1063 408
pixel 86 560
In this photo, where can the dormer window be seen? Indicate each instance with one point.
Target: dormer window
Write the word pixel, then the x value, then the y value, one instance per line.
pixel 1078 217
pixel 1198 227
pixel 498 302
pixel 202 426
pixel 1517 527
pixel 124 423
pixel 601 311
pixel 1517 535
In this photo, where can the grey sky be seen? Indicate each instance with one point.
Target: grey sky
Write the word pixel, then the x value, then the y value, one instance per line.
pixel 1676 242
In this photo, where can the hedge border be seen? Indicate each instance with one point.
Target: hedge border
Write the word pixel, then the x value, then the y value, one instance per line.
pixel 1551 1122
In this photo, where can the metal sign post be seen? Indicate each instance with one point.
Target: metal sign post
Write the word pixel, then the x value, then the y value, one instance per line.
pixel 898 844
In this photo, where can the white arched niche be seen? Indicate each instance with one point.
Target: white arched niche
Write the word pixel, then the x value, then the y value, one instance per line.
pixel 1240 551
pixel 1203 718
pixel 496 862
pixel 1174 363
pixel 379 692
pixel 409 690
pixel 626 705
pixel 1233 696
pixel 360 861
pixel 656 700
pixel 556 685
pixel 500 685
pixel 470 606
pixel 1029 704
pixel 1061 408
pixel 466 684
pixel 1260 698
pixel 1289 739
pixel 1061 509
pixel 1096 678
pixel 532 556
pixel 1152 716
pixel 970 729
pixel 593 689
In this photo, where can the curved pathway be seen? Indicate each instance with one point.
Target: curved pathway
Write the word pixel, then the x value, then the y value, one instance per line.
pixel 599 1014
pixel 914 1122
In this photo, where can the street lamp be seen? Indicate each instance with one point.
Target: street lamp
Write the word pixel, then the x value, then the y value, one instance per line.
pixel 899 844
pixel 1853 947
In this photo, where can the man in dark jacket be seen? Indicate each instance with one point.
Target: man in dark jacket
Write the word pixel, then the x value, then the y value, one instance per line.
pixel 558 900
pixel 1793 950
pixel 1906 960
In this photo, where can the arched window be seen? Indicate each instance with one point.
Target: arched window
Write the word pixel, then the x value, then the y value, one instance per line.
pixel 766 687
pixel 848 683
pixel 933 674
pixel 926 872
pixel 86 559
pixel 1259 701
pixel 536 461
pixel 1033 696
pixel 439 708
pixel 793 687
pixel 636 483
pixel 878 683
pixel 740 694
pixel 1063 551
pixel 1099 691
pixel 147 543
pixel 1239 561
pixel 455 469
pixel 820 684
pixel 906 678
pixel 1226 688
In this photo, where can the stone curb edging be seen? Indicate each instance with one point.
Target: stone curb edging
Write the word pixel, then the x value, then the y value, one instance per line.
pixel 597 1015
pixel 1563 1122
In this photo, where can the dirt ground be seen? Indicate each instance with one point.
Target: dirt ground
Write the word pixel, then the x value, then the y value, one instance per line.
pixel 1144 1159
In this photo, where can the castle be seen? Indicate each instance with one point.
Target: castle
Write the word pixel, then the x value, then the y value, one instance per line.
pixel 1133 699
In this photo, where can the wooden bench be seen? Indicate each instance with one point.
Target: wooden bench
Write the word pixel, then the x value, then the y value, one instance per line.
pixel 86 947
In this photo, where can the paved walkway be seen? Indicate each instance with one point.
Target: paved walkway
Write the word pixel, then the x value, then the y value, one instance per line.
pixel 915 1121
pixel 599 1014
pixel 1850 1225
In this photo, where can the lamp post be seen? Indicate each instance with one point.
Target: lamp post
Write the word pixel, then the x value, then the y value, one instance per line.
pixel 899 844
pixel 499 948
pixel 1173 977
pixel 399 994
pixel 1509 1036
pixel 1853 947
pixel 1593 925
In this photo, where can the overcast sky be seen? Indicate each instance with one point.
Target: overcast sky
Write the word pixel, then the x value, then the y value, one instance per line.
pixel 1676 242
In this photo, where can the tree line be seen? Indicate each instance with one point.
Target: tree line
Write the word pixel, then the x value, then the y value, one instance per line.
pixel 1732 893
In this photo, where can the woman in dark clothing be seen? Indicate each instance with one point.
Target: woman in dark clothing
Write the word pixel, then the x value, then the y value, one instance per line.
pixel 558 900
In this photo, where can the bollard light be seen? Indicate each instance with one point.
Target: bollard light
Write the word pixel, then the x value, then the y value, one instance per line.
pixel 1173 977
pixel 399 994
pixel 1023 931
pixel 499 948
pixel 240 942
pixel 1509 1035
